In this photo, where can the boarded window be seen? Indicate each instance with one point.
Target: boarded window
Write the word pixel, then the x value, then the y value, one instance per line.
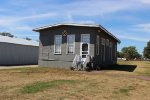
pixel 103 49
pixel 115 48
pixel 102 41
pixel 97 44
pixel 110 51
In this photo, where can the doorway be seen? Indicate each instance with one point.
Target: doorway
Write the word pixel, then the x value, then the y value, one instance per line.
pixel 85 46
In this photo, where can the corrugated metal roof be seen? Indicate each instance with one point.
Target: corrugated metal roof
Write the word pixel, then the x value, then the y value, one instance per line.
pixel 6 39
pixel 75 24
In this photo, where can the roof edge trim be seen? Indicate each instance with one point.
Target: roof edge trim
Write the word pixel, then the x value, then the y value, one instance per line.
pixel 75 24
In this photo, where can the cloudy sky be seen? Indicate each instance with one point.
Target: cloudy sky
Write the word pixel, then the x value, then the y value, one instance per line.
pixel 129 20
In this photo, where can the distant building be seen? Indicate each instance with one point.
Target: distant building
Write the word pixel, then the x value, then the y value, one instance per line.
pixel 60 43
pixel 15 51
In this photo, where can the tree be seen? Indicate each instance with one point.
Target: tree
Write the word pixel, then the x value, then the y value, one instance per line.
pixel 119 54
pixel 6 34
pixel 146 51
pixel 28 38
pixel 130 52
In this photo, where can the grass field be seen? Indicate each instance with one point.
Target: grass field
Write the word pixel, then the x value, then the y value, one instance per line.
pixel 38 83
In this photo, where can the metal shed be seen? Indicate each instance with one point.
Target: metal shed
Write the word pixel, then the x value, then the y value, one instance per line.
pixel 15 51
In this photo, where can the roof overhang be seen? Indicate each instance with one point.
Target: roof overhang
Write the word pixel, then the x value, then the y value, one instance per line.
pixel 5 39
pixel 101 27
pixel 81 25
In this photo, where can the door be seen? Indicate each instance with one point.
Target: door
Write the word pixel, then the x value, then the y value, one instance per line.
pixel 85 46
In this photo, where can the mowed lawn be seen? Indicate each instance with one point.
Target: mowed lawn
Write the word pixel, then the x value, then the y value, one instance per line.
pixel 60 84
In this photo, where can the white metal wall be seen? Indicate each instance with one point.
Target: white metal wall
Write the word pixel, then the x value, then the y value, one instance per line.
pixel 16 54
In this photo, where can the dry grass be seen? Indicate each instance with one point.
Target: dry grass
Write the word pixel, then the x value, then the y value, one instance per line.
pixel 143 67
pixel 60 84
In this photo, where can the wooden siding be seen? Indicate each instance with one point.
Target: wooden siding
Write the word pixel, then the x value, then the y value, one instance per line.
pixel 46 51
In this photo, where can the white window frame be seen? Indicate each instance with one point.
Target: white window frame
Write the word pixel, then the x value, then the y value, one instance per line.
pixel 55 43
pixel 68 44
pixel 97 44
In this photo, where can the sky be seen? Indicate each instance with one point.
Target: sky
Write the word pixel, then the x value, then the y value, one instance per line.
pixel 128 20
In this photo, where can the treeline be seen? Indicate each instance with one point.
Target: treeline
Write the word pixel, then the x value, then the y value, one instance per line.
pixel 131 53
pixel 12 36
pixel 146 52
pixel 6 34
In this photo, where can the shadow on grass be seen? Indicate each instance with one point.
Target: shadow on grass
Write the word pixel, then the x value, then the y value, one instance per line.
pixel 128 68
pixel 10 65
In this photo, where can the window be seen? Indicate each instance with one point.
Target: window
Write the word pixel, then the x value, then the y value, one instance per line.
pixel 57 44
pixel 70 44
pixel 85 38
pixel 97 45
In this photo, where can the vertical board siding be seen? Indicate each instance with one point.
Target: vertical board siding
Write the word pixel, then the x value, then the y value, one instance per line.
pixel 63 59
pixel 49 59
